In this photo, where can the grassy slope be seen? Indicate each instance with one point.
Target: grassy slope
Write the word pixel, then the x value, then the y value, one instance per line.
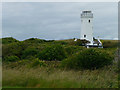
pixel 41 77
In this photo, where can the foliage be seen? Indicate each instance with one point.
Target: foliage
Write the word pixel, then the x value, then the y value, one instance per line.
pixel 8 40
pixel 60 42
pixel 81 42
pixel 11 58
pixel 73 49
pixel 77 43
pixel 29 52
pixel 37 62
pixel 13 49
pixel 49 40
pixel 36 40
pixel 110 43
pixel 23 62
pixel 48 74
pixel 44 49
pixel 53 64
pixel 53 52
pixel 88 59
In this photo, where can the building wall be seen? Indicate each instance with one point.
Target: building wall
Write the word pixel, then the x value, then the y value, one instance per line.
pixel 87 27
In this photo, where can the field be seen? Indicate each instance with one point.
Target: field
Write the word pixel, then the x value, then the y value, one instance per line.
pixel 56 78
pixel 24 70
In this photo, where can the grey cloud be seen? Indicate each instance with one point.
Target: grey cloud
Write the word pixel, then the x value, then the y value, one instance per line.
pixel 57 20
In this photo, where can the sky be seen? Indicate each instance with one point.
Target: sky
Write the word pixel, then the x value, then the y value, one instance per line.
pixel 56 21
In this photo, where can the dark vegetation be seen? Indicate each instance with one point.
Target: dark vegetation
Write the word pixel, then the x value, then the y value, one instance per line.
pixel 109 43
pixel 8 40
pixel 58 62
pixel 88 59
pixel 53 52
pixel 71 54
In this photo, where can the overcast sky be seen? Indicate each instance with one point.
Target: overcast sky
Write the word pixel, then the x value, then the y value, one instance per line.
pixel 57 20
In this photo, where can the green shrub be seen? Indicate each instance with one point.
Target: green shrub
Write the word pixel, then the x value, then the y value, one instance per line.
pixel 54 52
pixel 13 49
pixel 11 58
pixel 49 40
pixel 60 42
pixel 110 43
pixel 73 49
pixel 37 62
pixel 34 40
pixel 8 40
pixel 29 52
pixel 88 59
pixel 78 42
pixel 23 62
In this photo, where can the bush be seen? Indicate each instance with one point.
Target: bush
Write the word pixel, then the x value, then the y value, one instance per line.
pixel 60 42
pixel 34 40
pixel 73 49
pixel 79 42
pixel 11 58
pixel 13 49
pixel 8 40
pixel 37 62
pixel 88 59
pixel 54 52
pixel 110 43
pixel 29 52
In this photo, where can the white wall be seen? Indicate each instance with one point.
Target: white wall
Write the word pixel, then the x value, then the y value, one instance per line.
pixel 87 28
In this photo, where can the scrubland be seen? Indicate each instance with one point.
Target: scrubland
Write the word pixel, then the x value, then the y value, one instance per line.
pixel 36 63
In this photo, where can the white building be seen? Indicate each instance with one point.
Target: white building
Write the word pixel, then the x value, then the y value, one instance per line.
pixel 87 30
pixel 87 26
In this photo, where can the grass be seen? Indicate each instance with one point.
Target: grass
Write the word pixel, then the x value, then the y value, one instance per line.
pixel 19 75
pixel 42 77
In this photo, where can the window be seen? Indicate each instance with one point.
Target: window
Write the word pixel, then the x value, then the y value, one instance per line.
pixel 89 21
pixel 84 36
